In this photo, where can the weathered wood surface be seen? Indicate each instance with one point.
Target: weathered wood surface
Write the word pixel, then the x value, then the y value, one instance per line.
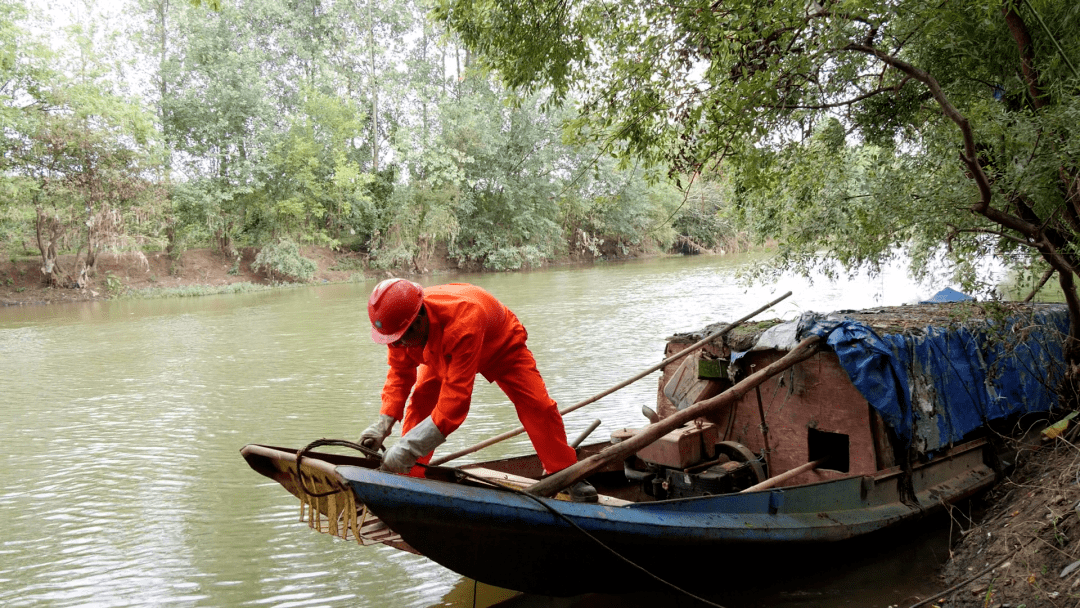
pixel 518 482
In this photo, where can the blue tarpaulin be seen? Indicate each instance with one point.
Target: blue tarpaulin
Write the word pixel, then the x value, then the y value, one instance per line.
pixel 948 295
pixel 936 385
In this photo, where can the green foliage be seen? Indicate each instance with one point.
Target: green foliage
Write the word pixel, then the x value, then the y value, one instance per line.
pixel 217 113
pixel 837 126
pixel 194 215
pixel 506 199
pixel 390 258
pixel 284 261
pixel 248 123
pixel 16 218
pixel 513 258
pixel 113 285
pixel 312 186
pixel 77 150
pixel 701 219
pixel 613 210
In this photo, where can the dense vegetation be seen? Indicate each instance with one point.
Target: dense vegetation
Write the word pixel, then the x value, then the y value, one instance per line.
pixel 503 134
pixel 275 123
pixel 850 131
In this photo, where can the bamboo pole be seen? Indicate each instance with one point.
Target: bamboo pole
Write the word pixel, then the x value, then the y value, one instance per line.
pixel 786 475
pixel 551 485
pixel 679 355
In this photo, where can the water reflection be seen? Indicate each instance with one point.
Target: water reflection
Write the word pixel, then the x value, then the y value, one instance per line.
pixel 121 483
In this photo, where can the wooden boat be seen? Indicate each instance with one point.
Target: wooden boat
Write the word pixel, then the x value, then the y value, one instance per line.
pixel 883 424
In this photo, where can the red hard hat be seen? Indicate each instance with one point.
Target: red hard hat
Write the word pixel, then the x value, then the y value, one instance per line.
pixel 392 307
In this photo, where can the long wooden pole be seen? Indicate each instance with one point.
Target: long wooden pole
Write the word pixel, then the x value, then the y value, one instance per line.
pixel 679 355
pixel 772 481
pixel 551 485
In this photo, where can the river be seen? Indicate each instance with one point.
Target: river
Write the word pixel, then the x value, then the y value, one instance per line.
pixel 122 484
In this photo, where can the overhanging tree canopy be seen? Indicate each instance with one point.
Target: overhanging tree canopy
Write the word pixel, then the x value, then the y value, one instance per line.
pixel 857 126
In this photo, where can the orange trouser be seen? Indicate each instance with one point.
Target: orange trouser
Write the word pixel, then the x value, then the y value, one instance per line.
pixel 536 410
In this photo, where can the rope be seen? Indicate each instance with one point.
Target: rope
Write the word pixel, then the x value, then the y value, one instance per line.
pixel 599 542
pixel 461 474
pixel 321 442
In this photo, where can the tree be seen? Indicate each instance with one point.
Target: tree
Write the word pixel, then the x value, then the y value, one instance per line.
pixel 24 62
pixel 855 126
pixel 607 209
pixel 218 114
pixel 311 186
pixel 86 183
pixel 268 110
pixel 76 149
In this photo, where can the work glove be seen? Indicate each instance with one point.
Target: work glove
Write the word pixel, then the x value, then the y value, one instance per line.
pixel 418 442
pixel 373 436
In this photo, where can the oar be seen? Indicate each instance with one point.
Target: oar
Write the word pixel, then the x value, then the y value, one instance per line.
pixel 623 384
pixel 551 485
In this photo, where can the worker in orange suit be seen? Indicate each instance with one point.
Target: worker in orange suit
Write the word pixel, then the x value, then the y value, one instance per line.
pixel 439 338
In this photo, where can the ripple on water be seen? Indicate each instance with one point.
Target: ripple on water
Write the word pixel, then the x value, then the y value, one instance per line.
pixel 122 484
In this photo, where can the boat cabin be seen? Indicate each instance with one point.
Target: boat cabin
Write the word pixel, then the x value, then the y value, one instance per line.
pixel 938 373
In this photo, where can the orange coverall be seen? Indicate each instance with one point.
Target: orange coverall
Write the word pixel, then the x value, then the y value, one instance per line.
pixel 471 332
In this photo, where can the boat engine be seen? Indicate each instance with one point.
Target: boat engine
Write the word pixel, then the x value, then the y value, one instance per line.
pixel 692 461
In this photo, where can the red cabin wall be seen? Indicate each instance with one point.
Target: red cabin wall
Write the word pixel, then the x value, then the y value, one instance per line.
pixel 815 394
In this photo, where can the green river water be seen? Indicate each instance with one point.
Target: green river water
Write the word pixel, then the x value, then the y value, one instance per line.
pixel 121 483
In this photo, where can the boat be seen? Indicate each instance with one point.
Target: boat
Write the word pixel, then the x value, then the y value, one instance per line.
pixel 767 441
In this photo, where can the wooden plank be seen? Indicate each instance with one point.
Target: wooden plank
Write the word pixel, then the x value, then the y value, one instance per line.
pixel 520 483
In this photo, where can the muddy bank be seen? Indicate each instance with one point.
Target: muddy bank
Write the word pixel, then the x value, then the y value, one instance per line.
pixel 21 280
pixel 116 274
pixel 1025 549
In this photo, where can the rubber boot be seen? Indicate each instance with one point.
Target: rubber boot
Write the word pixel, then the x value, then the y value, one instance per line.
pixel 583 491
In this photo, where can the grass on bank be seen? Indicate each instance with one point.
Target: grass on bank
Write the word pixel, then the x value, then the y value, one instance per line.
pixel 191 291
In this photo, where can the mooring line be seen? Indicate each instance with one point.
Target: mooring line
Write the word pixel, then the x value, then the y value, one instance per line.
pixel 465 474
pixel 599 542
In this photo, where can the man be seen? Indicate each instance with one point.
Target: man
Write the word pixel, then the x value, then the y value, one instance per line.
pixel 439 338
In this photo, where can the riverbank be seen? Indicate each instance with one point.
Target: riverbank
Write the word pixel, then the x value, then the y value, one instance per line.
pixel 194 272
pixel 1024 551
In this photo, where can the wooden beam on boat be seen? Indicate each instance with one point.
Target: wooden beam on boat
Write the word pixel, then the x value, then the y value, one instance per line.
pixel 786 475
pixel 519 482
pixel 620 451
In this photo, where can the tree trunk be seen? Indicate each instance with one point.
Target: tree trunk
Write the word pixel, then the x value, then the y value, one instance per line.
pixel 374 92
pixel 48 230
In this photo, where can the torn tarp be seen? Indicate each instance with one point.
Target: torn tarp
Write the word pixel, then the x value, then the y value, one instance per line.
pixel 934 386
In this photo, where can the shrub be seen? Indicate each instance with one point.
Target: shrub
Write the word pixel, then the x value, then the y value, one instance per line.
pixel 283 261
pixel 514 258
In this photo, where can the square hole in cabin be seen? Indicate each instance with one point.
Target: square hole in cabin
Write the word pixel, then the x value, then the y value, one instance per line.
pixel 834 446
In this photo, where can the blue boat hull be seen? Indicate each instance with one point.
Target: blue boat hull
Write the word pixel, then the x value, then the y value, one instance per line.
pixel 528 544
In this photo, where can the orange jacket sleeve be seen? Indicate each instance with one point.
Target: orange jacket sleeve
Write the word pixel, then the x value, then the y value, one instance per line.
pixel 462 349
pixel 400 379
